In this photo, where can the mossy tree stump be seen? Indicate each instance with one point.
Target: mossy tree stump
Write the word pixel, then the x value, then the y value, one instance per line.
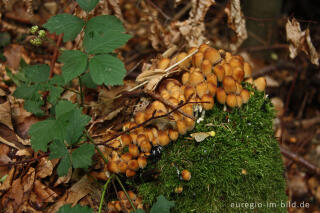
pixel 241 164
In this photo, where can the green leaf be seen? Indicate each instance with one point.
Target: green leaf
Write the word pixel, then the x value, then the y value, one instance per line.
pixel 103 34
pixel 59 150
pixel 64 166
pixel 75 63
pixel 87 5
pixel 74 122
pixel 76 209
pixel 65 23
pixel 42 133
pixel 57 80
pixel 106 69
pixel 162 205
pixel 54 94
pixel 37 73
pixel 87 81
pixel 81 157
pixel 34 107
pixel 63 107
pixel 27 92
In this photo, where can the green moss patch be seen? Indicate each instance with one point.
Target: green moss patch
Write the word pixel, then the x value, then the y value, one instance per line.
pixel 238 170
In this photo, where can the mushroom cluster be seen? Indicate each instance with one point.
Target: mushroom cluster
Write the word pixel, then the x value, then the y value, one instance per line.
pixel 207 75
pixel 123 204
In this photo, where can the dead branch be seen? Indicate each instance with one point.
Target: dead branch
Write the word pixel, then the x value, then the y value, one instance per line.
pixel 298 159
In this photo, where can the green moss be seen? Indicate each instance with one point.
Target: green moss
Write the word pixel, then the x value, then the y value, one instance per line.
pixel 244 142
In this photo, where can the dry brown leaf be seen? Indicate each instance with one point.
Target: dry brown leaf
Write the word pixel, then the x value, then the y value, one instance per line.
pixel 44 193
pixel 74 194
pixel 64 179
pixel 28 180
pixel 14 197
pixel 236 22
pixel 44 168
pixel 5 114
pixel 193 28
pixel 300 41
pixel 6 184
pixel 24 152
pixel 13 54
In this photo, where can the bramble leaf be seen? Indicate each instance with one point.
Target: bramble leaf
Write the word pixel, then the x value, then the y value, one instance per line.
pixel 54 94
pixel 76 209
pixel 65 23
pixel 34 106
pixel 75 124
pixel 75 63
pixel 27 92
pixel 87 5
pixel 82 156
pixel 59 150
pixel 87 81
pixel 103 34
pixel 42 133
pixel 106 69
pixel 162 205
pixel 63 107
pixel 37 73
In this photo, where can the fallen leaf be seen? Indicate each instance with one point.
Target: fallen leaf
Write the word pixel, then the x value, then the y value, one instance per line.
pixel 6 184
pixel 74 194
pixel 300 41
pixel 28 180
pixel 44 192
pixel 201 136
pixel 44 168
pixel 13 54
pixel 5 114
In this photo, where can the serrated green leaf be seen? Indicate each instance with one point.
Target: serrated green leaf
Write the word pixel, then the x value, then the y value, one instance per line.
pixel 27 92
pixel 106 69
pixel 34 107
pixel 76 122
pixel 54 94
pixel 87 5
pixel 82 156
pixel 42 133
pixel 57 80
pixel 57 149
pixel 75 63
pixel 64 166
pixel 87 81
pixel 76 209
pixel 162 205
pixel 103 34
pixel 37 73
pixel 63 107
pixel 65 23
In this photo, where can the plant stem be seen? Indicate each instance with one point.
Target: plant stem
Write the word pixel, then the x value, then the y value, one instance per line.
pixel 125 191
pixel 104 192
pixel 81 93
pixel 95 146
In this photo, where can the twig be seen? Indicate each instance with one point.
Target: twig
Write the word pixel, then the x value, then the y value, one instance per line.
pixel 55 55
pixel 274 67
pixel 148 120
pixel 24 161
pixel 264 47
pixel 300 160
pixel 159 9
pixel 165 102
